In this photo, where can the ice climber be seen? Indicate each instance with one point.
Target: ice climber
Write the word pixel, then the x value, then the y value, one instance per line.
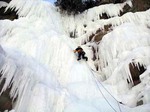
pixel 81 53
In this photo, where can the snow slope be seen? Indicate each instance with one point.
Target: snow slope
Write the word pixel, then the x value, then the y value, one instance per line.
pixel 37 59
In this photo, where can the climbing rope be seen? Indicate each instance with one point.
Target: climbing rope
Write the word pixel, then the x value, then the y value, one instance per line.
pixel 108 92
pixel 97 83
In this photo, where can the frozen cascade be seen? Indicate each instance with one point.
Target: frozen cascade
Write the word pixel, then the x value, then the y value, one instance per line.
pixel 128 43
pixel 33 44
pixel 37 61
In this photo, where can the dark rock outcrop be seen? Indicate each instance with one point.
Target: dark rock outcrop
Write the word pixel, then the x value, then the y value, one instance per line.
pixel 136 71
pixel 9 14
pixel 111 1
pixel 140 5
pixel 6 1
pixel 5 100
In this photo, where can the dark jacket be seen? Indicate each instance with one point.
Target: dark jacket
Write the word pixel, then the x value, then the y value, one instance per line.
pixel 78 50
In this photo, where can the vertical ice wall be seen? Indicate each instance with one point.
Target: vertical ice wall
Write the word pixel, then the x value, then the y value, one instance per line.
pixel 39 55
pixel 128 43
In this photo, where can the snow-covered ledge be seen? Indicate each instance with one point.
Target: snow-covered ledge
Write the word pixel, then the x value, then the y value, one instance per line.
pixel 3 4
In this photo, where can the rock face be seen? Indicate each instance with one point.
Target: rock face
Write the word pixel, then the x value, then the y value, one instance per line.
pixel 5 100
pixel 111 1
pixel 136 71
pixel 6 1
pixel 140 5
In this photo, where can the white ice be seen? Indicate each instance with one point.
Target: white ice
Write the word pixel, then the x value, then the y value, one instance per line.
pixel 37 59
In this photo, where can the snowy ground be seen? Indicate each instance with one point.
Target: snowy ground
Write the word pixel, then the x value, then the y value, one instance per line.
pixel 36 55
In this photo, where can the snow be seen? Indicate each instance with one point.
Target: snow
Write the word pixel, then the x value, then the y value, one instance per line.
pixel 3 4
pixel 37 59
